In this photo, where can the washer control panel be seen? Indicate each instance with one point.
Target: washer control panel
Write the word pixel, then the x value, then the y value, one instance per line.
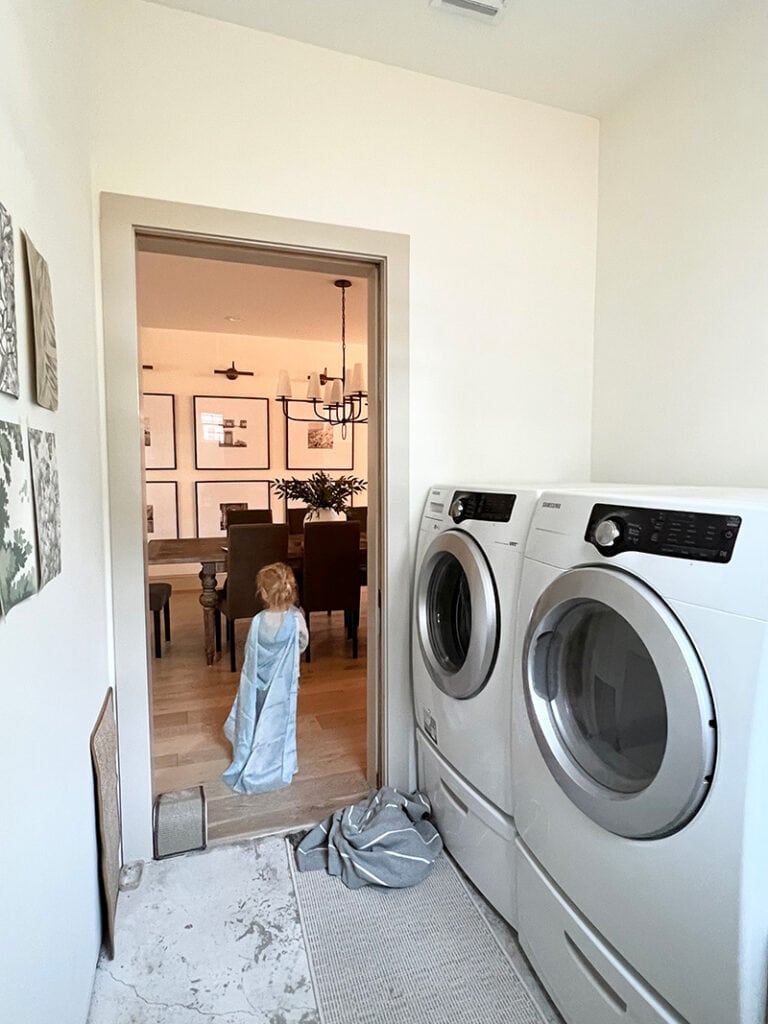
pixel 699 536
pixel 481 506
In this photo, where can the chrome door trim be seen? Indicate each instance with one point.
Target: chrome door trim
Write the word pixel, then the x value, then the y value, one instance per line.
pixel 679 787
pixel 484 633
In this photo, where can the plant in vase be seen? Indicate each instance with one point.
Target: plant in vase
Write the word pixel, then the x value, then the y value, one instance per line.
pixel 326 497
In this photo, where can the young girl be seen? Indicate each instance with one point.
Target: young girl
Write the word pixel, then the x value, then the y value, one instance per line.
pixel 262 723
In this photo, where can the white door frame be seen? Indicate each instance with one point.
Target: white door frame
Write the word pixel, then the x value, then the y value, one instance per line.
pixel 123 220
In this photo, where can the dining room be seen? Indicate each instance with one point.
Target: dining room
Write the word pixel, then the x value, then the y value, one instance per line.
pixel 248 451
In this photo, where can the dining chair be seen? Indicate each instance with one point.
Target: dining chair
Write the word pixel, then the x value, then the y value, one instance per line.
pixel 296 519
pixel 160 601
pixel 249 547
pixel 332 574
pixel 239 516
pixel 359 514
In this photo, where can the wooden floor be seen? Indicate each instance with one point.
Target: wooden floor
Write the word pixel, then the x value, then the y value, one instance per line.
pixel 190 703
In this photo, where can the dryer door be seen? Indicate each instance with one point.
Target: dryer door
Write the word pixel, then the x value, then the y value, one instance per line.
pixel 457 614
pixel 619 702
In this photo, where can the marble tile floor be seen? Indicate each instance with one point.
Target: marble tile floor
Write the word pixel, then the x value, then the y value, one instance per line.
pixel 215 938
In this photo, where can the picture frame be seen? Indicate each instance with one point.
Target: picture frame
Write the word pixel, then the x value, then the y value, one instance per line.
pixel 310 445
pixel 159 422
pixel 231 433
pixel 161 510
pixel 214 497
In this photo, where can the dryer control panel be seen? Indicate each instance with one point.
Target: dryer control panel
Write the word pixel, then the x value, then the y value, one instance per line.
pixel 699 536
pixel 482 506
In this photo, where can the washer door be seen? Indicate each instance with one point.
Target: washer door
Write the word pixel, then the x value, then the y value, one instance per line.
pixel 619 702
pixel 457 614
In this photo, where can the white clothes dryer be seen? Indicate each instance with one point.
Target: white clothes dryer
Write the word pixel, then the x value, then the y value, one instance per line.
pixel 468 563
pixel 640 756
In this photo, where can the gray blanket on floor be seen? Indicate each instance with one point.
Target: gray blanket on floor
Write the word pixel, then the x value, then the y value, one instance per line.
pixel 383 840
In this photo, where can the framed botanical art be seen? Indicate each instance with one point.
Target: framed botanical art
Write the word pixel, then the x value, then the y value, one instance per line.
pixel 9 359
pixel 231 433
pixel 215 498
pixel 18 571
pixel 316 445
pixel 45 489
pixel 159 422
pixel 46 358
pixel 162 510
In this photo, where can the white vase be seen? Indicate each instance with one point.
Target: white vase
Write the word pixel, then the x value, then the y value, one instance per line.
pixel 323 515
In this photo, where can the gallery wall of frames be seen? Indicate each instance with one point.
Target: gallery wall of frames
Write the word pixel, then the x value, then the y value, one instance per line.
pixel 30 509
pixel 211 444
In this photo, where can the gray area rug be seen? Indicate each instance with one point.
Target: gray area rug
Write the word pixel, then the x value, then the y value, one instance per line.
pixel 422 955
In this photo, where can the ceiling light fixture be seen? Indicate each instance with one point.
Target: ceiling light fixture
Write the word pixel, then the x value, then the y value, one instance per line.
pixel 484 10
pixel 233 319
pixel 335 400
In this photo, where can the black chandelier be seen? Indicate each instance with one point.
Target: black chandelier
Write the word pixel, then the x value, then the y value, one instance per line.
pixel 335 400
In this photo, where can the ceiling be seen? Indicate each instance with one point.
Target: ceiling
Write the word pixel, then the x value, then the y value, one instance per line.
pixel 581 55
pixel 190 294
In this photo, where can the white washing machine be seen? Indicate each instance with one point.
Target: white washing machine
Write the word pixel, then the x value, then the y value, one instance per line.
pixel 640 755
pixel 468 563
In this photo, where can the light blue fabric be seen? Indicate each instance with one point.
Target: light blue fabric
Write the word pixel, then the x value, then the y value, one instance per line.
pixel 262 723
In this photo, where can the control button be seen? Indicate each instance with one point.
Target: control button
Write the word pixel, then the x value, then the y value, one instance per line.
pixel 607 533
pixel 457 508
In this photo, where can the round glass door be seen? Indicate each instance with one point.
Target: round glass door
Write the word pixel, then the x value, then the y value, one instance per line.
pixel 457 614
pixel 619 703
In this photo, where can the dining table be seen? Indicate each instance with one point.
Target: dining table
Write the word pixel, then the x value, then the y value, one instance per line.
pixel 211 553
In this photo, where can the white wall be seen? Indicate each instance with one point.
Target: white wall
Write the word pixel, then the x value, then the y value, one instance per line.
pixel 681 352
pixel 497 195
pixel 183 364
pixel 53 647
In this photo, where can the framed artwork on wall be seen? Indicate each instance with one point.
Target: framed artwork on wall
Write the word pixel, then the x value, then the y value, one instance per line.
pixel 162 510
pixel 316 445
pixel 18 564
pixel 231 433
pixel 9 357
pixel 214 498
pixel 47 495
pixel 159 423
pixel 46 358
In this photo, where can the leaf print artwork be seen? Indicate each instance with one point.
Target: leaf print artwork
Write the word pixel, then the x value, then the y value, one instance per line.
pixel 46 358
pixel 18 578
pixel 45 479
pixel 9 359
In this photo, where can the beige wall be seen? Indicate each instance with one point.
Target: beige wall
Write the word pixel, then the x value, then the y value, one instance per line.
pixel 54 647
pixel 497 195
pixel 681 360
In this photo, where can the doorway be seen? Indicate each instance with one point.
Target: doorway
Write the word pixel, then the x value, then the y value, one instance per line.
pixel 218 325
pixel 123 220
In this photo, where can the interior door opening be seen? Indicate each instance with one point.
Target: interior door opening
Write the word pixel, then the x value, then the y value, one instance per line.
pixel 216 325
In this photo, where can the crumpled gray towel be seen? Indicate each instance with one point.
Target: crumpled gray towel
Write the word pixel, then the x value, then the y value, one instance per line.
pixel 385 840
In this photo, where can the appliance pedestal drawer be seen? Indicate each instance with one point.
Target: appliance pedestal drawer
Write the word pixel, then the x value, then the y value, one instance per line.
pixel 587 980
pixel 476 834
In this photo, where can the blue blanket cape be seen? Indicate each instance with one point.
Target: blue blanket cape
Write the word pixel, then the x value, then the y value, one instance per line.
pixel 262 723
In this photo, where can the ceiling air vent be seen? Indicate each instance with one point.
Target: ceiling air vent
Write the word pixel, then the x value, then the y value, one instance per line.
pixel 482 10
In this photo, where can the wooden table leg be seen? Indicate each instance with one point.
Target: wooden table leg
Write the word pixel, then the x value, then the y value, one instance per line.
pixel 208 601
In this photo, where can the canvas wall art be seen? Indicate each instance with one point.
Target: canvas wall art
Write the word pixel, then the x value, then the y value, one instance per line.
pixel 159 423
pixel 319 445
pixel 214 498
pixel 9 357
pixel 231 433
pixel 45 489
pixel 162 510
pixel 46 359
pixel 18 575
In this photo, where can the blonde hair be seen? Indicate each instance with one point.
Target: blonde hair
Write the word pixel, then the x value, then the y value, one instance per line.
pixel 276 585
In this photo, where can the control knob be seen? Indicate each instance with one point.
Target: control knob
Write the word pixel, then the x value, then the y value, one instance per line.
pixel 457 508
pixel 607 532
